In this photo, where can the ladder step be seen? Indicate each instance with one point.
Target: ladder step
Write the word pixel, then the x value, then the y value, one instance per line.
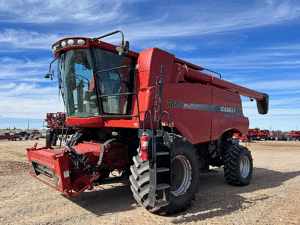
pixel 162 169
pixel 159 205
pixel 162 186
pixel 162 153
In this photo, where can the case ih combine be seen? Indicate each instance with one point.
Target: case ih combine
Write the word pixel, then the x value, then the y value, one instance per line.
pixel 295 135
pixel 264 134
pixel 254 134
pixel 149 115
pixel 241 138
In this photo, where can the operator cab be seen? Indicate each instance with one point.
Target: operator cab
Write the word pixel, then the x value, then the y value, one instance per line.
pixel 95 78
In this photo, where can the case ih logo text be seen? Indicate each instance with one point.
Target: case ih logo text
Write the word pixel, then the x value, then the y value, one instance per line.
pixel 227 109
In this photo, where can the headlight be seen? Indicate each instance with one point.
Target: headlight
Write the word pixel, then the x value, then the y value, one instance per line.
pixel 71 42
pixel 81 42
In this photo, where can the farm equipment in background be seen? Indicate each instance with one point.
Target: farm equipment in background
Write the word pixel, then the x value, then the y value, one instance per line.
pixel 152 117
pixel 241 138
pixel 57 128
pixel 295 135
pixel 264 134
pixel 278 135
pixel 253 134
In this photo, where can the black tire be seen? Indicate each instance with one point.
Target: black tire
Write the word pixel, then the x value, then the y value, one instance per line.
pixel 26 137
pixel 184 152
pixel 13 138
pixel 48 137
pixel 237 158
pixel 54 141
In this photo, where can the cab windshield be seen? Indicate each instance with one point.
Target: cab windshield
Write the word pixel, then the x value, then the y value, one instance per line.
pixel 78 70
pixel 75 69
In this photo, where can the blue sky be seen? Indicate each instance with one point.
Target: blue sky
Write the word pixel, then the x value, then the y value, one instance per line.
pixel 255 44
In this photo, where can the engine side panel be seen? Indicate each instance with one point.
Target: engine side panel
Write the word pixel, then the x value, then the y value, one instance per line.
pixel 227 114
pixel 189 106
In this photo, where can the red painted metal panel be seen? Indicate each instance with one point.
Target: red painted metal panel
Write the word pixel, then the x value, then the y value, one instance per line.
pixel 57 161
pixel 230 116
pixel 192 119
pixel 149 66
pixel 89 147
pixel 189 64
pixel 146 98
pixel 178 73
pixel 123 123
pixel 192 74
pixel 95 122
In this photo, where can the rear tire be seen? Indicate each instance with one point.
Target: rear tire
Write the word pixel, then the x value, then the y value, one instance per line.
pixel 182 192
pixel 238 165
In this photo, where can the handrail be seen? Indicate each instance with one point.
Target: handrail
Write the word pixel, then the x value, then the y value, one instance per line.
pixel 128 93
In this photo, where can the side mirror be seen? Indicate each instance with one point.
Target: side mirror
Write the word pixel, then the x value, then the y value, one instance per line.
pixel 123 48
pixel 50 75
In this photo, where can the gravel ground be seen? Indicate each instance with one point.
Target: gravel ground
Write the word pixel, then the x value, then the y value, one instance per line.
pixel 271 198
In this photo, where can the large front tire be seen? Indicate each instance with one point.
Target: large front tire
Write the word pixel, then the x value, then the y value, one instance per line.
pixel 185 178
pixel 238 165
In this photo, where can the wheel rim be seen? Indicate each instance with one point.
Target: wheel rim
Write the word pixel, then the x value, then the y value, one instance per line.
pixel 181 175
pixel 245 167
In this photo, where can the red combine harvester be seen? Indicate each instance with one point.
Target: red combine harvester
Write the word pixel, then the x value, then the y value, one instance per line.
pixel 264 134
pixel 56 124
pixel 122 103
pixel 253 134
pixel 295 135
pixel 241 138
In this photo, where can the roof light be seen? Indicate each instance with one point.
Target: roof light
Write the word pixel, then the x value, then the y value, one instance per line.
pixel 71 42
pixel 81 42
pixel 68 43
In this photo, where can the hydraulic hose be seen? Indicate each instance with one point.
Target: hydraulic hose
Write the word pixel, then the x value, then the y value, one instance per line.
pixel 102 151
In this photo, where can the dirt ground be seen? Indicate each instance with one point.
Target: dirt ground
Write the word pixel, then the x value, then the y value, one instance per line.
pixel 271 198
